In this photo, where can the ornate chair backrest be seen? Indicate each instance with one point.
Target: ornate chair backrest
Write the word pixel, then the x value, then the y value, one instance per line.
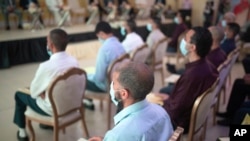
pixel 140 54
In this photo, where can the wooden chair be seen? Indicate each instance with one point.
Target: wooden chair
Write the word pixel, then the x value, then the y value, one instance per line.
pixel 140 54
pixel 158 52
pixel 176 136
pixel 65 94
pixel 200 111
pixel 105 96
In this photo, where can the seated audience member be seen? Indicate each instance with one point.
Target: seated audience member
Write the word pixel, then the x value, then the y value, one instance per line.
pixel 60 11
pixel 110 50
pixel 132 40
pixel 125 9
pixel 38 99
pixel 8 7
pixel 229 17
pixel 239 92
pixel 93 9
pixel 179 29
pixel 208 14
pixel 138 119
pixel 33 8
pixel 246 61
pixel 228 44
pixel 216 56
pixel 155 34
pixel 241 113
pixel 198 76
pixel 158 8
pixel 111 9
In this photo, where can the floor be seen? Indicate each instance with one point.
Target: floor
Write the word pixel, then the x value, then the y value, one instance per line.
pixel 21 75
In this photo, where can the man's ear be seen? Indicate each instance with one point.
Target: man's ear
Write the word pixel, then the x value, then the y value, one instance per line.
pixel 124 94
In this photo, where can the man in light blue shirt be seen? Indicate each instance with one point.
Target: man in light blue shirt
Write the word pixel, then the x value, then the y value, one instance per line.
pixel 110 50
pixel 138 120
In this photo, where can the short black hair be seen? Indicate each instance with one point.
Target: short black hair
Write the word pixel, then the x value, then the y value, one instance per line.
pixel 234 27
pixel 157 21
pixel 131 24
pixel 59 38
pixel 137 78
pixel 202 38
pixel 104 27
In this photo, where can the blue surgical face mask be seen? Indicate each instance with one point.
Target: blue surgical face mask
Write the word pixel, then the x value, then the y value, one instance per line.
pixel 149 27
pixel 49 51
pixel 123 31
pixel 101 40
pixel 223 23
pixel 176 20
pixel 183 48
pixel 112 94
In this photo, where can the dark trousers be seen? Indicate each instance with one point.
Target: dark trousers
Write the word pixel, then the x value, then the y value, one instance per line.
pixel 22 101
pixel 241 113
pixel 238 95
pixel 246 64
pixel 92 87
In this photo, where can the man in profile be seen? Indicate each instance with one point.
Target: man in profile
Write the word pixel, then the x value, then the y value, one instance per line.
pixel 138 119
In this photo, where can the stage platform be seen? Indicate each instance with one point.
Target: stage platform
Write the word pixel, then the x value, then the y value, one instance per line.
pixel 24 46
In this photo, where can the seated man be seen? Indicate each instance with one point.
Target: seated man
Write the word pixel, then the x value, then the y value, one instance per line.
pixel 110 50
pixel 33 8
pixel 198 76
pixel 179 29
pixel 216 56
pixel 132 40
pixel 93 9
pixel 9 6
pixel 239 92
pixel 228 44
pixel 138 119
pixel 60 11
pixel 38 99
pixel 124 9
pixel 155 34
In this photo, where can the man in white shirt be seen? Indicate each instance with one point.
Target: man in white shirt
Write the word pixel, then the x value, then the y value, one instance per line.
pixel 138 120
pixel 38 99
pixel 132 40
pixel 154 36
pixel 60 11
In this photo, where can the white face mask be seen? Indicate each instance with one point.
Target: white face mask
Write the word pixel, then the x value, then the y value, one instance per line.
pixel 149 27
pixel 183 48
pixel 224 23
pixel 112 94
pixel 176 20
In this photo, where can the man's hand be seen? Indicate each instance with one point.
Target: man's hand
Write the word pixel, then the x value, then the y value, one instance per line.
pixel 247 79
pixel 95 139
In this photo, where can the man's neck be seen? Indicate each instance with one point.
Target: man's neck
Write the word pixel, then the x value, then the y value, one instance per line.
pixel 193 58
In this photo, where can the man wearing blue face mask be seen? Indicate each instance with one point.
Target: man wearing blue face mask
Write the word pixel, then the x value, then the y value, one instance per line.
pixel 138 119
pixel 198 76
pixel 132 40
pixel 110 50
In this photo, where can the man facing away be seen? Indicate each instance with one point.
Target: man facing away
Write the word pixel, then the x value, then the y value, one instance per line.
pixel 138 120
pixel 110 50
pixel 38 99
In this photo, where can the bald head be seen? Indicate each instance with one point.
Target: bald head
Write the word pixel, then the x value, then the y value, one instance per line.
pixel 229 17
pixel 217 35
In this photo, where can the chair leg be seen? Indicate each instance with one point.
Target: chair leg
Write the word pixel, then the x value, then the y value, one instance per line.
pixel 101 105
pixel 29 124
pixel 56 133
pixel 109 114
pixel 85 127
pixel 214 114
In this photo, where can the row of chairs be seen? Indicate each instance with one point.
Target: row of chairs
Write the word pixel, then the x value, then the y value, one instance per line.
pixel 209 100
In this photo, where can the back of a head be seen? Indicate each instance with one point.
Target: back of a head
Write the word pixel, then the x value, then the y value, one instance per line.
pixel 157 21
pixel 137 78
pixel 132 25
pixel 59 38
pixel 202 38
pixel 230 16
pixel 217 33
pixel 104 27
pixel 234 27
